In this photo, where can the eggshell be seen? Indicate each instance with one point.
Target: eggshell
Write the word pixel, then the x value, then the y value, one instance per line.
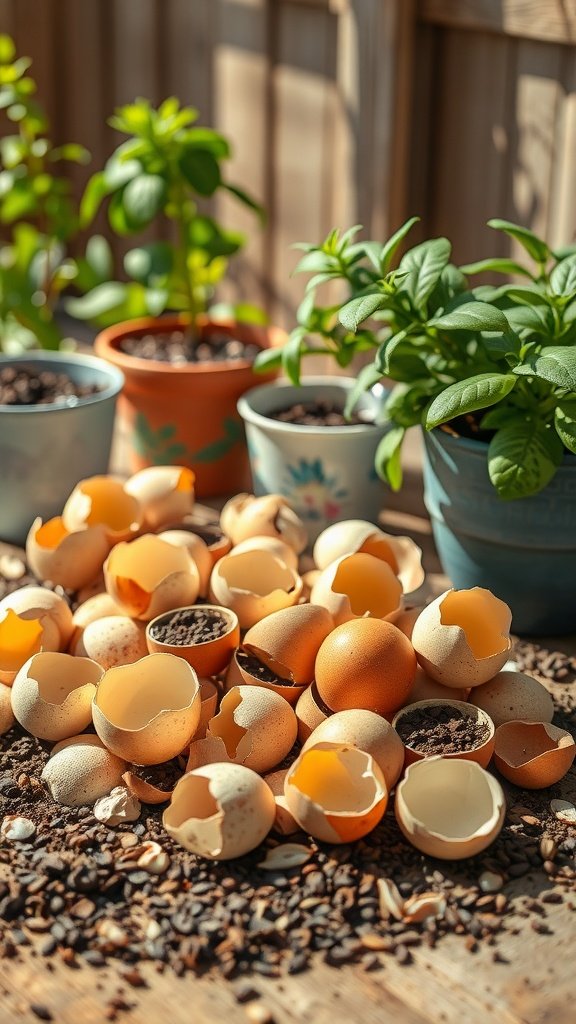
pixel 269 516
pixel 355 586
pixel 511 696
pixel 103 500
pixel 71 560
pixel 208 657
pixel 336 793
pixel 480 753
pixel 99 606
pixel 148 576
pixel 239 673
pixel 287 641
pixel 310 712
pixel 367 731
pixel 79 773
pixel 220 811
pixel 111 641
pixel 425 688
pixel 254 584
pixel 365 663
pixel 148 712
pixel 404 618
pixel 351 536
pixel 198 551
pixel 274 545
pixel 207 750
pixel 284 822
pixel 52 694
pixel 533 754
pixel 449 809
pixel 6 714
pixel 208 705
pixel 258 727
pixel 165 493
pixel 31 619
pixel 462 638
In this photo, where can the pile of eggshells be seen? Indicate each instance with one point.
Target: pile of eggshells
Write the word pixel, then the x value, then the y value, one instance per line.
pixel 324 659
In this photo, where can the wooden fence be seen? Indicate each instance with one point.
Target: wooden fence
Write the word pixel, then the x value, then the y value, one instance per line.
pixel 339 111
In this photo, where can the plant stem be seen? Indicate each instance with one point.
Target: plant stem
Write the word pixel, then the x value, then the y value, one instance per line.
pixel 183 230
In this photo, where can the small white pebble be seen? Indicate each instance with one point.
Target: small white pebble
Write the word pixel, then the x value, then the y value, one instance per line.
pixel 17 828
pixel 490 881
pixel 120 805
pixel 153 858
pixel 564 811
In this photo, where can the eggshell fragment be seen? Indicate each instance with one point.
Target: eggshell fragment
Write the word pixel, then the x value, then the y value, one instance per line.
pixel 257 726
pixel 270 516
pixel 144 791
pixel 52 694
pixel 165 493
pixel 336 793
pixel 273 545
pixel 481 753
pixel 31 619
pixel 220 811
pixel 449 809
pixel 284 822
pixel 254 584
pixel 113 640
pixel 241 671
pixel 149 576
pixel 6 714
pixel 79 773
pixel 367 731
pixel 287 641
pixel 207 750
pixel 462 638
pixel 119 806
pixel 514 696
pixel 103 500
pixel 351 536
pixel 148 712
pixel 71 560
pixel 198 551
pixel 208 705
pixel 310 712
pixel 357 585
pixel 533 754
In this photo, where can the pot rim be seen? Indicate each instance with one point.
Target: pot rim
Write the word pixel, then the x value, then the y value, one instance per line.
pixel 475 446
pixel 67 362
pixel 285 388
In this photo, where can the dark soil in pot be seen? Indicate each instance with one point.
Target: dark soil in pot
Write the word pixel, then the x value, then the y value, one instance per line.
pixel 259 670
pixel 319 414
pixel 190 626
pixel 28 386
pixel 177 348
pixel 441 730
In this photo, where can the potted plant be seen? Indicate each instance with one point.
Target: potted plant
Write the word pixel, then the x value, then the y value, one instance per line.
pixel 56 409
pixel 184 372
pixel 490 373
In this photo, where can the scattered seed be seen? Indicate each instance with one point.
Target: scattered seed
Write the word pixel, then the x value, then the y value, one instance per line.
pixel 287 855
pixel 390 901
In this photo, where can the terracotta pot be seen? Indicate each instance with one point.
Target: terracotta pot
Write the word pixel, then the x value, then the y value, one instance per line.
pixel 186 415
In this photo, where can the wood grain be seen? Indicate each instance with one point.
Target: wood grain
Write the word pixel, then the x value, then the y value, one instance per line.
pixel 550 20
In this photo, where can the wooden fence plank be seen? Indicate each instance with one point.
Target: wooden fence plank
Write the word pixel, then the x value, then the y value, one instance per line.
pixel 562 220
pixel 550 20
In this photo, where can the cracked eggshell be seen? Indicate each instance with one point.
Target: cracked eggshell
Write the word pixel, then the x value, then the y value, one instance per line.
pixel 336 793
pixel 287 641
pixel 164 493
pixel 462 638
pixel 258 727
pixel 352 536
pixel 72 560
pixel 81 770
pixel 103 500
pixel 6 714
pixel 284 821
pixel 310 712
pixel 355 586
pixel 148 576
pixel 31 619
pixel 533 754
pixel 254 584
pixel 269 516
pixel 513 696
pixel 148 712
pixel 449 809
pixel 112 640
pixel 220 811
pixel 208 704
pixel 198 551
pixel 274 545
pixel 52 694
pixel 239 674
pixel 364 730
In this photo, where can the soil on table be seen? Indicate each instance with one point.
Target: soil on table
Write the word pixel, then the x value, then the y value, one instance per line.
pixel 178 348
pixel 190 626
pixel 319 414
pixel 25 385
pixel 441 729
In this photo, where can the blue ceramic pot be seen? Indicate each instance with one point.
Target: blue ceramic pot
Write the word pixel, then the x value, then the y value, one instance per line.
pixel 46 449
pixel 524 551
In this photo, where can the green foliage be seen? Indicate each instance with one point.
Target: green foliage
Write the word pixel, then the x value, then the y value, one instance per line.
pixel 504 355
pixel 36 211
pixel 165 168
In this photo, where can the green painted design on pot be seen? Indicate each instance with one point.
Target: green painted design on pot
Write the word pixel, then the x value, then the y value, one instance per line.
pixel 159 448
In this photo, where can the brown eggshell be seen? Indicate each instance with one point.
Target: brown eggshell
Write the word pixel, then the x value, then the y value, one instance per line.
pixel 6 714
pixel 198 551
pixel 533 754
pixel 287 641
pixel 404 619
pixel 258 727
pixel 284 822
pixel 269 516
pixel 425 688
pixel 254 584
pixel 165 493
pixel 514 696
pixel 310 712
pixel 208 703
pixel 238 675
pixel 103 500
pixel 145 791
pixel 72 560
pixel 367 731
pixel 31 619
pixel 52 694
pixel 209 657
pixel 112 641
pixel 480 754
pixel 148 576
pixel 358 535
pixel 355 586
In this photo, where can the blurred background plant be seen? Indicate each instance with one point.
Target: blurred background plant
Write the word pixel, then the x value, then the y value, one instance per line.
pixel 37 212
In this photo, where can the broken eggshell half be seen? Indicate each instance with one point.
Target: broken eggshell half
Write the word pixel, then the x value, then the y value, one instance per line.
pixel 254 584
pixel 273 545
pixel 71 560
pixel 220 811
pixel 481 753
pixel 357 585
pixel 31 619
pixel 336 793
pixel 164 493
pixel 284 822
pixel 103 500
pixel 52 694
pixel 148 712
pixel 449 809
pixel 148 576
pixel 207 657
pixel 270 515
pixel 198 551
pixel 366 731
pixel 533 754
pixel 352 536
pixel 310 712
pixel 258 727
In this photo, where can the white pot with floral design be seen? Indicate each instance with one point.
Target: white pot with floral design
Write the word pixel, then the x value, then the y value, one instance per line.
pixel 326 472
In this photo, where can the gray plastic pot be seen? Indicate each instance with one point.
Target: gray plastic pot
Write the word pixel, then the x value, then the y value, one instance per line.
pixel 327 473
pixel 46 449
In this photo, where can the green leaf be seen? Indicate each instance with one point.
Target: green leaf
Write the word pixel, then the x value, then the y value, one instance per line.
pixel 464 396
pixel 424 265
pixel 99 257
pixel 314 262
pixel 117 216
pixel 366 379
pixel 119 172
pixel 201 170
pixel 71 151
pixel 534 246
pixel 268 359
pixel 387 350
pixel 499 416
pixel 353 313
pixel 406 403
pixel 149 261
pixel 292 355
pixel 563 277
pixel 373 250
pixel 96 190
pixel 101 299
pixel 387 457
pixel 7 49
pixel 471 316
pixel 533 318
pixel 555 364
pixel 388 250
pixel 565 423
pixel 143 198
pixel 523 458
pixel 246 200
pixel 497 266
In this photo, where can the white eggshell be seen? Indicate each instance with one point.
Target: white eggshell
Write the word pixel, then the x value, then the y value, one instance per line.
pixel 220 811
pixel 357 585
pixel 258 727
pixel 113 640
pixel 198 551
pixel 165 493
pixel 148 576
pixel 72 560
pixel 79 773
pixel 52 694
pixel 513 696
pixel 96 607
pixel 351 536
pixel 103 500
pixel 254 584
pixel 367 731
pixel 30 619
pixel 269 516
pixel 6 714
pixel 274 545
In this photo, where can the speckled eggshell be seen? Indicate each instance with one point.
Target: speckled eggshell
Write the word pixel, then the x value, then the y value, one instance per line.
pixel 6 714
pixel 287 641
pixel 367 731
pixel 80 773
pixel 258 726
pixel 511 696
pixel 72 560
pixel 52 694
pixel 31 619
pixel 113 640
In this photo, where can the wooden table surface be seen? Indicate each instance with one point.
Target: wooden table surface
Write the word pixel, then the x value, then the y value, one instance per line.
pixel 534 983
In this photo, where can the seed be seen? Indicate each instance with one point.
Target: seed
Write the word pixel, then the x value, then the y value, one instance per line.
pixel 287 855
pixel 548 848
pixel 41 1011
pixel 489 881
pixel 153 859
pixel 390 901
